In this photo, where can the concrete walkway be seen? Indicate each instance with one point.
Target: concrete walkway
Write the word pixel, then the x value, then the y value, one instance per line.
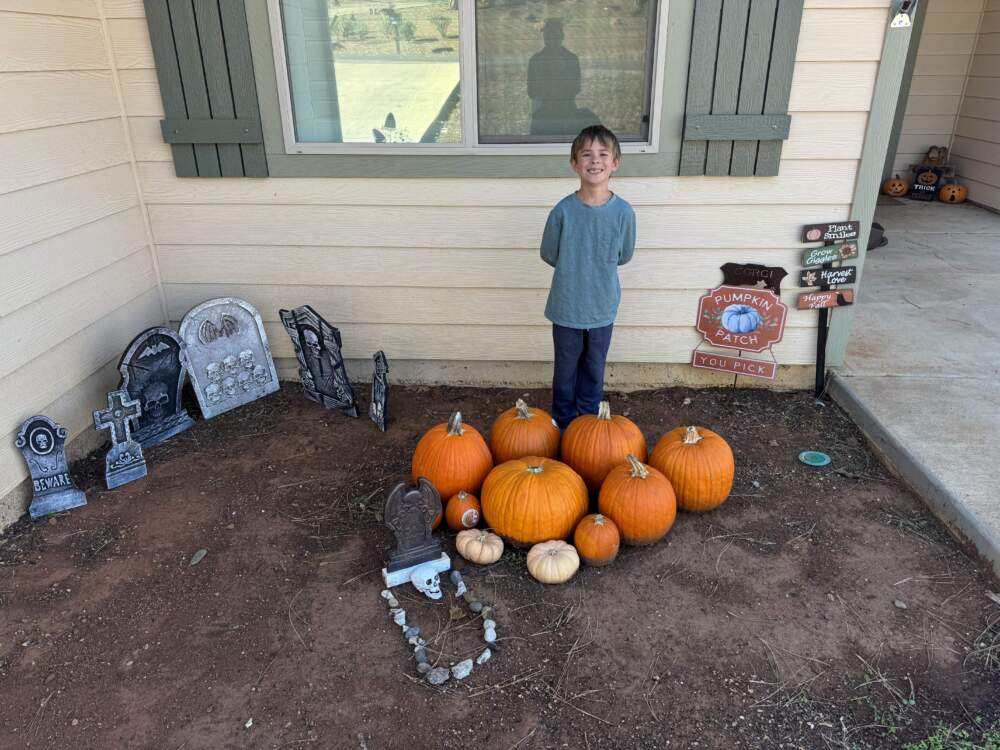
pixel 921 372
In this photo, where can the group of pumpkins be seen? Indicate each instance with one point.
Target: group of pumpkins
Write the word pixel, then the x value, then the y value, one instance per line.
pixel 531 487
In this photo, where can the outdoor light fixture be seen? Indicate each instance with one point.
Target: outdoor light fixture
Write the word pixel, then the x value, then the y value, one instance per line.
pixel 904 16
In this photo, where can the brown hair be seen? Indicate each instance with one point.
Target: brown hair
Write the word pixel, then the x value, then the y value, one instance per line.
pixel 596 133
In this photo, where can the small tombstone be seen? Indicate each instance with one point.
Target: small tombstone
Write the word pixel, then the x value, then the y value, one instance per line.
pixel 321 364
pixel 227 355
pixel 43 444
pixel 378 409
pixel 124 462
pixel 153 374
pixel 409 514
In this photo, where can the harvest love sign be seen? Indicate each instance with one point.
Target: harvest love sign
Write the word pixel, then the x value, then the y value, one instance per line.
pixel 747 319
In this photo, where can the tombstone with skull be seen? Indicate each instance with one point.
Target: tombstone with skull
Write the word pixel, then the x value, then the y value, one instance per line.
pixel 417 557
pixel 317 347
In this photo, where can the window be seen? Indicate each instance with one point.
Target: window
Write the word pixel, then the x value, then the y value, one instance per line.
pixel 465 76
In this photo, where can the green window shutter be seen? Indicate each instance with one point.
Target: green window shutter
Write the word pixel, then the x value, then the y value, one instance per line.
pixel 203 63
pixel 739 82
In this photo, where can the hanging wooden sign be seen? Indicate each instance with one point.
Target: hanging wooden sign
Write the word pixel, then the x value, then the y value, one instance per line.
pixel 829 254
pixel 753 274
pixel 755 368
pixel 838 231
pixel 828 276
pixel 823 300
pixel 735 317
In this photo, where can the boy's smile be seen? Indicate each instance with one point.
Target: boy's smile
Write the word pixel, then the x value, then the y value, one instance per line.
pixel 595 164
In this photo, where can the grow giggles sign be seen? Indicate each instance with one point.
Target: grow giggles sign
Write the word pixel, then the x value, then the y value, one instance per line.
pixel 734 317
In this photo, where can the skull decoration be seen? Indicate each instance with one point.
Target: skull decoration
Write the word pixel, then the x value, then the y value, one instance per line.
pixel 312 341
pixel 229 386
pixel 214 372
pixel 246 359
pixel 229 364
pixel 260 375
pixel 427 581
pixel 245 381
pixel 212 393
pixel 156 399
pixel 42 441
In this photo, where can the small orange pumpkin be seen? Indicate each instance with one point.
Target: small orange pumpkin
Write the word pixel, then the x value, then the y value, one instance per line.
pixel 953 193
pixel 896 186
pixel 524 431
pixel 594 444
pixel 453 456
pixel 463 511
pixel 533 499
pixel 699 465
pixel 596 539
pixel 640 500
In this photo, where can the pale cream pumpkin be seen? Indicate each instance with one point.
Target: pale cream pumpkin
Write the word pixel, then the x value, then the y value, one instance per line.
pixel 553 562
pixel 478 546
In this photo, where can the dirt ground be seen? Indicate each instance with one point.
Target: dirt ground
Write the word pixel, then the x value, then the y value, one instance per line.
pixel 817 608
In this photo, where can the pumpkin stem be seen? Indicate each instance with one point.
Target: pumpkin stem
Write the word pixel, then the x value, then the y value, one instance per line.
pixel 638 470
pixel 604 411
pixel 462 494
pixel 523 412
pixel 692 437
pixel 455 424
pixel 536 469
pixel 599 520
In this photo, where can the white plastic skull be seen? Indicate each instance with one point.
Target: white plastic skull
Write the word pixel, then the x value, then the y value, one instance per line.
pixel 229 364
pixel 229 386
pixel 246 359
pixel 427 581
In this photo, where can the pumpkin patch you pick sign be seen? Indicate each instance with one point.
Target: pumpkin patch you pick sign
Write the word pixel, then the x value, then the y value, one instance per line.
pixel 742 318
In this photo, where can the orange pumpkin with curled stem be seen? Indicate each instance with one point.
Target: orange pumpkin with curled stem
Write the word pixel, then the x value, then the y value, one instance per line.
pixel 597 539
pixel 640 500
pixel 699 465
pixel 524 431
pixel 593 444
pixel 453 456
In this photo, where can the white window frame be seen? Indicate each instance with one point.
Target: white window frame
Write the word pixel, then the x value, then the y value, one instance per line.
pixel 470 101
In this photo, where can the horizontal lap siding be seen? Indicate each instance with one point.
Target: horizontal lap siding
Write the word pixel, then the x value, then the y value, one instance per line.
pixel 943 59
pixel 976 151
pixel 386 259
pixel 77 279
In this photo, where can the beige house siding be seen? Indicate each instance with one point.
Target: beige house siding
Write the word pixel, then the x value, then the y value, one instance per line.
pixel 77 277
pixel 976 149
pixel 446 271
pixel 939 76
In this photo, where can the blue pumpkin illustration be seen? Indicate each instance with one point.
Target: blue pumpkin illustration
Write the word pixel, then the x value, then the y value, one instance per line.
pixel 740 319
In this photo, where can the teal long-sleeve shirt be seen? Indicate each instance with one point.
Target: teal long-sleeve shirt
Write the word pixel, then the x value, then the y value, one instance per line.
pixel 586 244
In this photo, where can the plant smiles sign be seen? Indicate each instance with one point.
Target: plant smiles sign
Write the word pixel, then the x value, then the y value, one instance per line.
pixel 732 317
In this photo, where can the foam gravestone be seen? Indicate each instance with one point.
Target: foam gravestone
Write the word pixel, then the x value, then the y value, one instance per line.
pixel 43 444
pixel 227 355
pixel 317 347
pixel 124 463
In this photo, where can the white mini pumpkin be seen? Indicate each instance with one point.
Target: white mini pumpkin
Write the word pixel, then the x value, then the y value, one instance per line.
pixel 479 546
pixel 553 562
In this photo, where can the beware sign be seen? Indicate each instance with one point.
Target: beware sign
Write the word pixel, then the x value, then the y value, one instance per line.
pixel 755 368
pixel 735 317
pixel 822 300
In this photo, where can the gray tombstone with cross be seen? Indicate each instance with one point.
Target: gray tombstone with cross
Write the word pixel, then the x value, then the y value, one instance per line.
pixel 124 462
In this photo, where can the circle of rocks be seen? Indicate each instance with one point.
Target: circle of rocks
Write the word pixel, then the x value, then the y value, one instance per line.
pixel 461 670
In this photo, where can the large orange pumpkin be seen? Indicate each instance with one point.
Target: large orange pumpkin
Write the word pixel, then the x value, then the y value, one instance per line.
pixel 594 444
pixel 453 456
pixel 533 499
pixel 462 511
pixel 640 501
pixel 699 464
pixel 524 431
pixel 596 539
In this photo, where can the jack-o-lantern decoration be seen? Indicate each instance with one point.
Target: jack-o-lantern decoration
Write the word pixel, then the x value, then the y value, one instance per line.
pixel 953 193
pixel 896 186
pixel 927 177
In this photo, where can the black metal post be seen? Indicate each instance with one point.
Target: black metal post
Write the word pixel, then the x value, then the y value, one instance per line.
pixel 821 333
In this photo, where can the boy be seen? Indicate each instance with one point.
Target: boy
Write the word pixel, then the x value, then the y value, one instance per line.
pixel 588 235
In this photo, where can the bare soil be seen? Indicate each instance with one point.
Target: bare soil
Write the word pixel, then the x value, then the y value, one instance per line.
pixel 817 608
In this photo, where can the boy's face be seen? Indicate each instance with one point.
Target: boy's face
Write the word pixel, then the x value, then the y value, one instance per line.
pixel 595 163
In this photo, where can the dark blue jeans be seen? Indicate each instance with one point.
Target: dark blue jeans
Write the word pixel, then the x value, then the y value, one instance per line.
pixel 578 375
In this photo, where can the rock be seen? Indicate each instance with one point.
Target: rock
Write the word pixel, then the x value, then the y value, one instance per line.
pixel 412 641
pixel 490 636
pixel 438 676
pixel 456 577
pixel 462 670
pixel 198 556
pixel 469 598
pixel 399 617
pixel 489 625
pixel 460 588
pixel 487 612
pixel 484 657
pixel 899 604
pixel 423 667
pixel 421 642
pixel 412 632
pixel 456 613
pixel 420 654
pixel 386 594
pixel 393 602
pixel 476 607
